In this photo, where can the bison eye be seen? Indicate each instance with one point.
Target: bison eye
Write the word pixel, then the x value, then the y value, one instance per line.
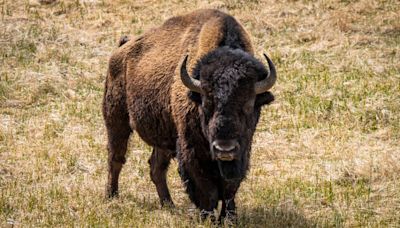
pixel 207 108
pixel 248 107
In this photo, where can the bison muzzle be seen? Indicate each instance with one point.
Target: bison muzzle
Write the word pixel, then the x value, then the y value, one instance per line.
pixel 193 90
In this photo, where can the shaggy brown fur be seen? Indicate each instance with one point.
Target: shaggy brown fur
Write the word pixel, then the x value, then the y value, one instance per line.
pixel 144 93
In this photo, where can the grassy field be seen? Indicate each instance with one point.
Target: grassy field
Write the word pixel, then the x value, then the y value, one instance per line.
pixel 326 153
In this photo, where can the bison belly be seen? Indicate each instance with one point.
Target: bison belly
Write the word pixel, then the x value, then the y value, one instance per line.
pixel 150 117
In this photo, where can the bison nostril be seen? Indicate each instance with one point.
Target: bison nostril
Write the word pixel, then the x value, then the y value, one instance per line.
pixel 225 145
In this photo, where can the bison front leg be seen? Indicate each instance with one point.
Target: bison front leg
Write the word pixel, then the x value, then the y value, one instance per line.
pixel 228 210
pixel 159 162
pixel 208 202
pixel 206 196
pixel 202 192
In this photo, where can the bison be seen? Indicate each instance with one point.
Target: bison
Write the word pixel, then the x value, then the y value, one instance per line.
pixel 193 90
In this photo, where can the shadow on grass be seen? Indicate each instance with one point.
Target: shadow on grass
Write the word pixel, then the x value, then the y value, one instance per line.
pixel 247 216
pixel 272 217
pixel 143 202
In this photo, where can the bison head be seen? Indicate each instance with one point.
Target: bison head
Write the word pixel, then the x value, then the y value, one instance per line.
pixel 229 86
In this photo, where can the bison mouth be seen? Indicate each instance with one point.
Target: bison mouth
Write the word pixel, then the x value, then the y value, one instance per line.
pixel 230 170
pixel 225 156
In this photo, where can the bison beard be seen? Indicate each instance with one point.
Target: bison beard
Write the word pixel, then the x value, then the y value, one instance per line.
pixel 191 89
pixel 231 170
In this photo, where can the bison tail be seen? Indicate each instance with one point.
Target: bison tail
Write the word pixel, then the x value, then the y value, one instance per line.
pixel 123 40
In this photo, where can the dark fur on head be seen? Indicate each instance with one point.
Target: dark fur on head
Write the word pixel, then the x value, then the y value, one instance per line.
pixel 262 99
pixel 227 77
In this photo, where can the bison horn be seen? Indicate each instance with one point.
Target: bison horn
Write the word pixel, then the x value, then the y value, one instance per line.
pixel 191 83
pixel 266 84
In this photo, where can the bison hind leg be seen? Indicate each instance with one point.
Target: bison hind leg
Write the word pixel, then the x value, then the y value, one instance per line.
pixel 118 136
pixel 118 130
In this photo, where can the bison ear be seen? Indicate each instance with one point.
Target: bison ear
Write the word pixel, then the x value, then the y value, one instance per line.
pixel 264 99
pixel 196 97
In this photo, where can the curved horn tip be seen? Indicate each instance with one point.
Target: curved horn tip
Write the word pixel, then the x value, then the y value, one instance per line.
pixel 264 85
pixel 191 83
pixel 268 59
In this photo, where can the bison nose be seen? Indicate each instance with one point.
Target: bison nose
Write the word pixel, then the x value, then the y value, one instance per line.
pixel 225 145
pixel 225 150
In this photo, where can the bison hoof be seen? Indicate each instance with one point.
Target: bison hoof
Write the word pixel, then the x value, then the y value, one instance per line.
pixel 111 193
pixel 167 203
pixel 230 219
pixel 204 215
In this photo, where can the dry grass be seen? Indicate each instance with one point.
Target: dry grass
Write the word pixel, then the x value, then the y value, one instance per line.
pixel 326 153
